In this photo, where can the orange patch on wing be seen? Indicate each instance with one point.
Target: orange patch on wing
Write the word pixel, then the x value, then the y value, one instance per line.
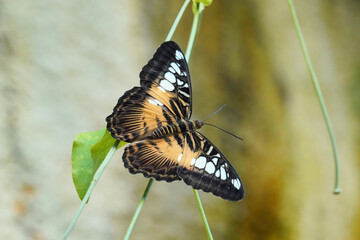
pixel 137 114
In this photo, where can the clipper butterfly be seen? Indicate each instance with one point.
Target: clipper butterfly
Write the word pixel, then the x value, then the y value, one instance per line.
pixel 164 143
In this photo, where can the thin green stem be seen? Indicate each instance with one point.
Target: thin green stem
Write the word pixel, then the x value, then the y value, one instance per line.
pixel 102 167
pixel 316 85
pixel 193 33
pixel 203 216
pixel 138 209
pixel 140 205
pixel 96 178
pixel 177 20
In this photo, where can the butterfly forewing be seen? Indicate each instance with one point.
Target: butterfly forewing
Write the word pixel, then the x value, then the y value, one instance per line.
pixel 168 71
pixel 137 114
pixel 163 98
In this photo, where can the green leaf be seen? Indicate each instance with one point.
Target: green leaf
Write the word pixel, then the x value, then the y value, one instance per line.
pixel 89 151
pixel 82 164
pixel 205 2
pixel 196 7
pixel 100 150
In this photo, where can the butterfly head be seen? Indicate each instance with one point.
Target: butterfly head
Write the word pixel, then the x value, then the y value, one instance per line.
pixel 198 124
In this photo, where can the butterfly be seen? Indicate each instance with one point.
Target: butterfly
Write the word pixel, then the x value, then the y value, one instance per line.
pixel 164 143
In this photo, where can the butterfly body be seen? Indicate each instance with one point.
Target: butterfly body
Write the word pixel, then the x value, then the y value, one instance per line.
pixel 181 126
pixel 164 143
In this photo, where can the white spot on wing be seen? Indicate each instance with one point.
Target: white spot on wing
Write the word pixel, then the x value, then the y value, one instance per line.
pixel 210 149
pixel 152 102
pixel 223 173
pixel 171 77
pixel 210 168
pixel 180 82
pixel 200 162
pixel 180 156
pixel 184 93
pixel 215 160
pixel 176 67
pixel 171 70
pixel 192 161
pixel 167 85
pixel 161 89
pixel 155 102
pixel 217 173
pixel 236 183
pixel 178 55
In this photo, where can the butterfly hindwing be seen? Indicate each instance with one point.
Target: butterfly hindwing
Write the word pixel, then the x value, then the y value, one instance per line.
pixel 210 171
pixel 157 158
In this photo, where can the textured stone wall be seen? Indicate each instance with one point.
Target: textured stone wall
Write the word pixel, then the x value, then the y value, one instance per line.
pixel 63 65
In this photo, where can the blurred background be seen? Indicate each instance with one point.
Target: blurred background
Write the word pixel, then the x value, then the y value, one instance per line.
pixel 64 64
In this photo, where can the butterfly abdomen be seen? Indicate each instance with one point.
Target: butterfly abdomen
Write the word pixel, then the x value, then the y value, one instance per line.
pixel 180 126
pixel 162 131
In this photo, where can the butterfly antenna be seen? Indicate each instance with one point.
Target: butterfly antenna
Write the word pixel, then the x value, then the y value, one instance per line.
pixel 224 131
pixel 213 113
